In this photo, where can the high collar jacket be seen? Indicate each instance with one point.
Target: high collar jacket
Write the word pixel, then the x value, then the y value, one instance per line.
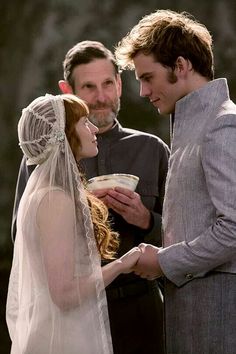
pixel 199 217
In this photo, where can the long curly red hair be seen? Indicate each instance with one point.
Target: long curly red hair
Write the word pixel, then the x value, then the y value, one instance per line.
pixel 107 240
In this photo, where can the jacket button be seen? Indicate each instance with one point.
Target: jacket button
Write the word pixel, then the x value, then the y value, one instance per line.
pixel 189 276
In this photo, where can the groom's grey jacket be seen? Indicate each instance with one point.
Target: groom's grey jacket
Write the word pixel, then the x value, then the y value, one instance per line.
pixel 199 216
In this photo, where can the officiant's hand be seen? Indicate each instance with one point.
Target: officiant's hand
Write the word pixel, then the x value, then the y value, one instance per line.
pixel 129 205
pixel 126 203
pixel 148 265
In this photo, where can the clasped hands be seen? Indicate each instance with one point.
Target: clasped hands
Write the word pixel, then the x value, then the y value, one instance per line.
pixel 148 265
pixel 143 261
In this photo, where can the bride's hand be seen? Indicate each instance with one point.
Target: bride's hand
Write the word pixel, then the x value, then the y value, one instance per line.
pixel 129 260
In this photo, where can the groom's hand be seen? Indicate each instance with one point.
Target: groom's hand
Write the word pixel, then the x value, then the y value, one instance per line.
pixel 148 266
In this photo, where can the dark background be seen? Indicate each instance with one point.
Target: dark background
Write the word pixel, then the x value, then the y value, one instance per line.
pixel 34 37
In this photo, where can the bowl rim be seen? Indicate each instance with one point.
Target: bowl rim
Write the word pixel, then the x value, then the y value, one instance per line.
pixel 109 176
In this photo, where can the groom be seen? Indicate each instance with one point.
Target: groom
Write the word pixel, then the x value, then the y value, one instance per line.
pixel 173 61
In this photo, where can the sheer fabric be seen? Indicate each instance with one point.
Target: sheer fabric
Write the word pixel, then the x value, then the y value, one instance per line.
pixel 56 299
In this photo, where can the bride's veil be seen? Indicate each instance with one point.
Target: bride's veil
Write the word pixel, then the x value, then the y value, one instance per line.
pixel 56 299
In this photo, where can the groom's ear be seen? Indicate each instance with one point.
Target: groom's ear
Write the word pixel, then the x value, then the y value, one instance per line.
pixel 65 87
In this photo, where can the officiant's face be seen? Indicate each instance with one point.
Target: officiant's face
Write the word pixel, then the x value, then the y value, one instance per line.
pixel 99 86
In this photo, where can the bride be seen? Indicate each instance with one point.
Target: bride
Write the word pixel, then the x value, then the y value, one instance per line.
pixel 56 299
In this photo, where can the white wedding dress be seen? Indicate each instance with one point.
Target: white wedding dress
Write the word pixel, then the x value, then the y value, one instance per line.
pixel 37 325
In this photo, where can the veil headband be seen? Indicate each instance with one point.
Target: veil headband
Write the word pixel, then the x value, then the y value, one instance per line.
pixel 38 138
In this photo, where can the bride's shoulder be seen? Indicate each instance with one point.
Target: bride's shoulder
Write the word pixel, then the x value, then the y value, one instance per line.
pixel 54 204
pixel 53 196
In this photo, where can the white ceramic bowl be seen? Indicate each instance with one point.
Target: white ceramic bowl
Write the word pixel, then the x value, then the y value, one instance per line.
pixel 123 180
